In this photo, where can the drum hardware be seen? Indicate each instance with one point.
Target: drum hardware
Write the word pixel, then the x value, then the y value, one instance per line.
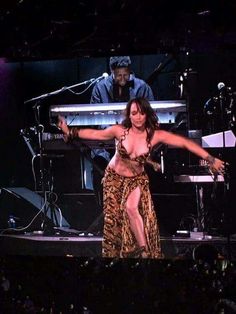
pixel 220 114
pixel 219 111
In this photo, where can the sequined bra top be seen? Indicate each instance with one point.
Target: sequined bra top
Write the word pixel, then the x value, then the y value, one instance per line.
pixel 141 159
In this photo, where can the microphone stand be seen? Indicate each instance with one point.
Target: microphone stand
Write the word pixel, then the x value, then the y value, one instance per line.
pixel 161 149
pixel 226 174
pixel 39 129
pixel 58 91
pixel 226 192
pixel 221 98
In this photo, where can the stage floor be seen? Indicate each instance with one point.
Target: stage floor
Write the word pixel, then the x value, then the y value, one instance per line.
pixel 82 245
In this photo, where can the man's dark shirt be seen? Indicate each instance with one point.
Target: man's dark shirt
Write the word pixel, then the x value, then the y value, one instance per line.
pixel 106 91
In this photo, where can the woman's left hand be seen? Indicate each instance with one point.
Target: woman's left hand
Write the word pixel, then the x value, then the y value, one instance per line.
pixel 217 166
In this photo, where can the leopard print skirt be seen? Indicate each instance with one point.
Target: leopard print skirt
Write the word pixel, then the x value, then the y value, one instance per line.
pixel 118 238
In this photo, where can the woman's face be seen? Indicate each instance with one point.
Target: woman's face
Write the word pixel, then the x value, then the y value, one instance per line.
pixel 137 118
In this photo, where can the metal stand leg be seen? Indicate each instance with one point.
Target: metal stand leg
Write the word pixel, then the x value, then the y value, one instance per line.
pixel 200 219
pixel 51 202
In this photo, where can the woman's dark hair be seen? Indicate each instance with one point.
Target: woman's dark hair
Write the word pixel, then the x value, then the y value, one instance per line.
pixel 144 107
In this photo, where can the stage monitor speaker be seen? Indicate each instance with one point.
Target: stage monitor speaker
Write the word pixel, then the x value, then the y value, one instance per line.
pixel 82 211
pixel 24 205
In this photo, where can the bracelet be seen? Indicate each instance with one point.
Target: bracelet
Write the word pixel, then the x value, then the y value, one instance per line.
pixel 73 132
pixel 210 160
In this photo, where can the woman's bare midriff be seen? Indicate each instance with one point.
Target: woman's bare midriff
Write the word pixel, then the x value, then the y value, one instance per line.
pixel 123 167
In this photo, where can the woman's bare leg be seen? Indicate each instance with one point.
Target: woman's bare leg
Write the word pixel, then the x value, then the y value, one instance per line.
pixel 136 221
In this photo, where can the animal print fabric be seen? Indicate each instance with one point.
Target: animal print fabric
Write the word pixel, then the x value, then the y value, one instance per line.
pixel 118 238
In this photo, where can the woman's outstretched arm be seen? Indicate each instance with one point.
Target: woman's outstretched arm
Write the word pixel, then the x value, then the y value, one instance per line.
pixel 87 133
pixel 215 164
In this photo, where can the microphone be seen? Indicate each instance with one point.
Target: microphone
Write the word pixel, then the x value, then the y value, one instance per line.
pixel 220 86
pixel 104 75
pixel 97 79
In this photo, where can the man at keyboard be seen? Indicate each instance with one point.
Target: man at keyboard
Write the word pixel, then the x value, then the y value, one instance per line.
pixel 121 85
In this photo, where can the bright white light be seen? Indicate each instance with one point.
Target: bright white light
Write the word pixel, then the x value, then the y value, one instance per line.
pixel 157 105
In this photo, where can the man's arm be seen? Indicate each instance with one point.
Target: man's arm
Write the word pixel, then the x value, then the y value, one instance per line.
pixel 102 91
pixel 148 92
pixel 142 89
pixel 95 96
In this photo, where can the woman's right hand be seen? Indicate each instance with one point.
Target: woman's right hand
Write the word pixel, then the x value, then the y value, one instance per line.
pixel 62 125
